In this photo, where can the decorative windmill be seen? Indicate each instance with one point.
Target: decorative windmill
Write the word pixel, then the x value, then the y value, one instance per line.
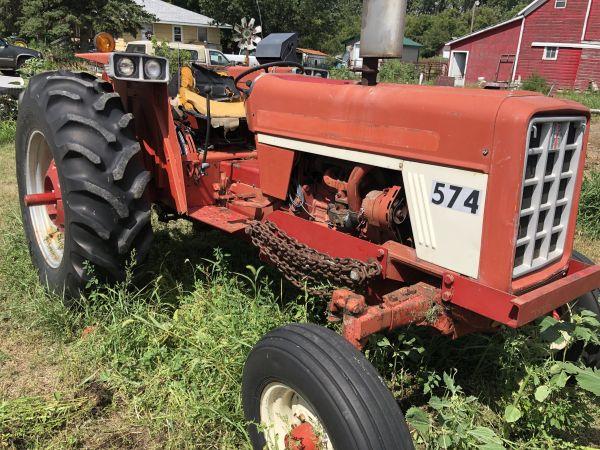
pixel 247 36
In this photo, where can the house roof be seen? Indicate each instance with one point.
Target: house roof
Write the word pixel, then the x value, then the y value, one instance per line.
pixel 535 4
pixel 407 42
pixel 171 14
pixel 310 51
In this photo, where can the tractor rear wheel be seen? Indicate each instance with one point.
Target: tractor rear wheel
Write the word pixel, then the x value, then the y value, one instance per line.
pixel 81 181
pixel 305 387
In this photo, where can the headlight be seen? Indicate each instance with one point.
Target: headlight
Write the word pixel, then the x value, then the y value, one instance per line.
pixel 137 67
pixel 125 67
pixel 152 69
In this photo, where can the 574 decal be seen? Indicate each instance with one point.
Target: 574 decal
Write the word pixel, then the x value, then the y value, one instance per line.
pixel 455 197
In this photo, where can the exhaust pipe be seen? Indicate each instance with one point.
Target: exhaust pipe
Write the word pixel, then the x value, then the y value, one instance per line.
pixel 382 35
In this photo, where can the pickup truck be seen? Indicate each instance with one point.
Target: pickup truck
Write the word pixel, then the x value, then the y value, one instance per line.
pixel 12 57
pixel 199 53
pixel 240 58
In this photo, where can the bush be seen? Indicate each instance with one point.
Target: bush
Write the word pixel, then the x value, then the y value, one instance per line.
pixel 536 83
pixel 8 116
pixel 589 205
pixel 342 73
pixel 394 71
pixel 53 59
pixel 175 57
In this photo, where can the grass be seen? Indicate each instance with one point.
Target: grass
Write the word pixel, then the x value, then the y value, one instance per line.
pixel 589 99
pixel 158 363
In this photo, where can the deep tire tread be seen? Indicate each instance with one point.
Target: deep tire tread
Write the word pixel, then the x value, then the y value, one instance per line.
pixel 102 176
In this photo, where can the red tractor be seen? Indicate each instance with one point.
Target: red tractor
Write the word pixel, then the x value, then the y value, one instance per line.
pixel 448 208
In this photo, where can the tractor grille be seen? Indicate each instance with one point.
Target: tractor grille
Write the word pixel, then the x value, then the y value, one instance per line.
pixel 553 151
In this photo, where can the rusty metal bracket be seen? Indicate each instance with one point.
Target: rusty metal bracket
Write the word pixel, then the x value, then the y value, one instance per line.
pixel 419 304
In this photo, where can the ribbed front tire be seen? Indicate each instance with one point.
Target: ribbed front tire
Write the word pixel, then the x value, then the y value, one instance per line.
pixel 322 381
pixel 90 138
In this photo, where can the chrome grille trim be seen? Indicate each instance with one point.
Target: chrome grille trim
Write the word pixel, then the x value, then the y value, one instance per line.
pixel 552 159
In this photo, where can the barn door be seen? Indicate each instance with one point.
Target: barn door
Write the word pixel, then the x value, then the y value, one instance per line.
pixel 505 68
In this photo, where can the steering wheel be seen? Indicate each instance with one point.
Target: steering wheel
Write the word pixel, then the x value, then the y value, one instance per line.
pixel 266 67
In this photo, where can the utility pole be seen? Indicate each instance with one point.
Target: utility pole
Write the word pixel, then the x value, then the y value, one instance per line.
pixel 475 5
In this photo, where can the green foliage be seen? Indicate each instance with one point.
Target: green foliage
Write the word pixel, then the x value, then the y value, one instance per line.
pixel 26 420
pixel 9 108
pixel 55 58
pixel 8 128
pixel 8 116
pixel 536 83
pixel 343 73
pixel 588 98
pixel 394 71
pixel 589 205
pixel 177 58
pixel 47 20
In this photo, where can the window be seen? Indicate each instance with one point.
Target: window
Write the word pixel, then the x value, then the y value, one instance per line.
pixel 177 34
pixel 560 4
pixel 218 59
pixel 3 43
pixel 203 34
pixel 135 48
pixel 550 53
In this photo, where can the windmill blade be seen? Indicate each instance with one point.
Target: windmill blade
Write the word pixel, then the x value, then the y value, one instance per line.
pixel 250 47
pixel 242 45
pixel 237 29
pixel 251 23
pixel 256 39
pixel 237 39
pixel 244 22
pixel 258 30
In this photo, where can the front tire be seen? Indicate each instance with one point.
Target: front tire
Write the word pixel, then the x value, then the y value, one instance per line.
pixel 305 382
pixel 74 126
pixel 590 302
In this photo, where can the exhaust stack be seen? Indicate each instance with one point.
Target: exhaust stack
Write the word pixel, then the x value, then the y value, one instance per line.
pixel 382 35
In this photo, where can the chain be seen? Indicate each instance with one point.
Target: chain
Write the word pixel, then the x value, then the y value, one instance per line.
pixel 304 266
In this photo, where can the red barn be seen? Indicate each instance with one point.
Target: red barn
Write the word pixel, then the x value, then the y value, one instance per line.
pixel 557 39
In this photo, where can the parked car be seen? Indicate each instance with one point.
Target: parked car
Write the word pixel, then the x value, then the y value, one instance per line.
pixel 199 53
pixel 12 57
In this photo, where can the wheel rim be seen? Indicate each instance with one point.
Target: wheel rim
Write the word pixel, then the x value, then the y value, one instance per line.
pixel 44 199
pixel 290 422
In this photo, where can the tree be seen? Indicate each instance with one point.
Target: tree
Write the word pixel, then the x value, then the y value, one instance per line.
pixel 47 20
pixel 313 20
pixel 9 9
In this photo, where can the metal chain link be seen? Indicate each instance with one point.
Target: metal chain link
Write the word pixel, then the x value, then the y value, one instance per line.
pixel 305 267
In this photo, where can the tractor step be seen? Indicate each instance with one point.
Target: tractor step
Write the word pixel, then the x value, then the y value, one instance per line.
pixel 219 217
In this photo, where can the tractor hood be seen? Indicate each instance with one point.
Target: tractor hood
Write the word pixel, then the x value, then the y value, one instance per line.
pixel 440 125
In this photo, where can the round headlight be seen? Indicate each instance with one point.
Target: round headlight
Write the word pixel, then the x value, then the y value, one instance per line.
pixel 125 67
pixel 152 69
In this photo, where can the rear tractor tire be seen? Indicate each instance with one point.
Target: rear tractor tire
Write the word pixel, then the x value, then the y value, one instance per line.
pixel 305 387
pixel 81 181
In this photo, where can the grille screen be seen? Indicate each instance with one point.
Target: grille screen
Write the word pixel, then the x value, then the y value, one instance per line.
pixel 553 151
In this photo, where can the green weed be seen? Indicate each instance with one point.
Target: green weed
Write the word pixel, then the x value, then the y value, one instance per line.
pixel 589 209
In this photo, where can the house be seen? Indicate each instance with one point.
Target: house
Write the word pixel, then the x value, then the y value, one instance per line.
pixel 313 58
pixel 175 24
pixel 557 39
pixel 410 52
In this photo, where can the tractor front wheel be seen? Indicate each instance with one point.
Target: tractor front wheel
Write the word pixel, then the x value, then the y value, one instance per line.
pixel 590 354
pixel 305 387
pixel 81 181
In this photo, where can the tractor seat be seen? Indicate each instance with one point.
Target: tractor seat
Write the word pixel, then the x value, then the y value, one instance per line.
pixel 226 101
